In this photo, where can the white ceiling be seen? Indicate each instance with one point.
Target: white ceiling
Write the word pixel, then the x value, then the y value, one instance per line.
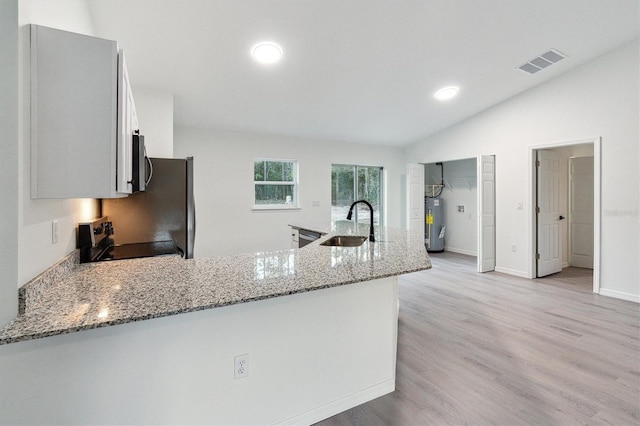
pixel 355 71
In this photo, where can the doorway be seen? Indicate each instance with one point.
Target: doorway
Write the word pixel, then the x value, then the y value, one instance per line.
pixel 453 187
pixel 565 220
pixel 467 190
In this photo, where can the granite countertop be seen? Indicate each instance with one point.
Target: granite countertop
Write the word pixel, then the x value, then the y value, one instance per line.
pixel 93 295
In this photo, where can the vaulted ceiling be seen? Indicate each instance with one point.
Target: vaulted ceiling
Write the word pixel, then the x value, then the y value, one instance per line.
pixel 355 71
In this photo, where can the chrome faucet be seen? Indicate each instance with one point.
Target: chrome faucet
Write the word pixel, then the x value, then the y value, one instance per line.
pixel 371 236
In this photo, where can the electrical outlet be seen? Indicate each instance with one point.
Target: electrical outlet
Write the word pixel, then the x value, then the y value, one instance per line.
pixel 240 366
pixel 54 232
pixel 514 248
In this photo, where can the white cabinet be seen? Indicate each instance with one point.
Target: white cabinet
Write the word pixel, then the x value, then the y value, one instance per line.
pixel 82 117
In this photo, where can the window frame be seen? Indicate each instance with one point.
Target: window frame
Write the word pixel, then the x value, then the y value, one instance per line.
pixel 295 205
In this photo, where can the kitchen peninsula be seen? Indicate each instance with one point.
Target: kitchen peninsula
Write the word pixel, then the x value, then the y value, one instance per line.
pixel 317 326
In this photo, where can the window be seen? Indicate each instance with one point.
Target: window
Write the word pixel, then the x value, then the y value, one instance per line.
pixel 350 183
pixel 276 184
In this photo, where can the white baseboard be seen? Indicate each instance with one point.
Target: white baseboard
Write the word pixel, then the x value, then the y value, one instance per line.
pixel 339 405
pixel 511 272
pixel 620 295
pixel 460 251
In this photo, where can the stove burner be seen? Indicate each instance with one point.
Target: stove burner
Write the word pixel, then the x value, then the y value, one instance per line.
pixel 95 244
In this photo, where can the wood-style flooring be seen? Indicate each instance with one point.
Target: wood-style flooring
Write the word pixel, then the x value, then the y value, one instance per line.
pixel 496 349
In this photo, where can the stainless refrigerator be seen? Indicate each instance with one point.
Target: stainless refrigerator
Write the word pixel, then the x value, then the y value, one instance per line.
pixel 164 211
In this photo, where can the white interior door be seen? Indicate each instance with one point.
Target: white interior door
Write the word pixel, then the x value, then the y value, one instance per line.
pixel 549 254
pixel 415 197
pixel 581 212
pixel 486 213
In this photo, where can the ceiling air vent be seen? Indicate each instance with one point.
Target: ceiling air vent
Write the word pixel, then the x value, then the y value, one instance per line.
pixel 542 61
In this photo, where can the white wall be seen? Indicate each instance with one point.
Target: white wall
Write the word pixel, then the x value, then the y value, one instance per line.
pixel 599 98
pixel 223 185
pixel 9 152
pixel 460 190
pixel 68 15
pixel 154 108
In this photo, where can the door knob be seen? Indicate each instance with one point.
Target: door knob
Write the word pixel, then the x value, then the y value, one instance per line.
pixel 561 217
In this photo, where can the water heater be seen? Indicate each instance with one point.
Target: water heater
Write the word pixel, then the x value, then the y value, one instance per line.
pixel 434 228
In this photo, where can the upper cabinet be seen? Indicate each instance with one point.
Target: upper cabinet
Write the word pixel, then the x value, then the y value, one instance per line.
pixel 82 117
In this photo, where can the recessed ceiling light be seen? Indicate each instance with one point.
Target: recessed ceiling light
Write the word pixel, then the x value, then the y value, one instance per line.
pixel 446 93
pixel 266 52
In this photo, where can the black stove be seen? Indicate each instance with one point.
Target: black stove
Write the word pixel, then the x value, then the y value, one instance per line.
pixel 96 245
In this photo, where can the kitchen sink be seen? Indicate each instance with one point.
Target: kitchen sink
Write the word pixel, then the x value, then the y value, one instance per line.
pixel 344 241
